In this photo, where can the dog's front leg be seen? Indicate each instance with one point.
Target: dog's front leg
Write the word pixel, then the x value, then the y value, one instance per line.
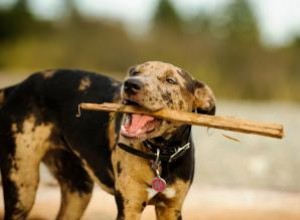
pixel 170 205
pixel 164 212
pixel 132 175
pixel 130 203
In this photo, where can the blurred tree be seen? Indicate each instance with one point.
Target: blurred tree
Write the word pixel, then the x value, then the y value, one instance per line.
pixel 296 43
pixel 166 16
pixel 71 6
pixel 72 13
pixel 294 70
pixel 15 21
pixel 203 21
pixel 239 22
pixel 199 23
pixel 240 45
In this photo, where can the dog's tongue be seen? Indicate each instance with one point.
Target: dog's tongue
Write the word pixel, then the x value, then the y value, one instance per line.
pixel 137 123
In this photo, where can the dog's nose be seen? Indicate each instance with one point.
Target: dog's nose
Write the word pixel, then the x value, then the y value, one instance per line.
pixel 132 86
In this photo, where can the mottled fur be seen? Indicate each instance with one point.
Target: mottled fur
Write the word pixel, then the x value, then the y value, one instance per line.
pixel 38 124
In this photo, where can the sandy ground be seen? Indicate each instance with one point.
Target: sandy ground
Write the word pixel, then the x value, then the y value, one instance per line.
pixel 205 203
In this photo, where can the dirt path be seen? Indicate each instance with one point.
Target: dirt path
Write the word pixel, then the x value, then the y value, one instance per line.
pixel 202 203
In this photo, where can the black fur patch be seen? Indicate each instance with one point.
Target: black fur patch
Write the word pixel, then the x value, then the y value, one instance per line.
pixel 120 204
pixel 167 96
pixel 119 168
pixel 189 82
pixel 210 112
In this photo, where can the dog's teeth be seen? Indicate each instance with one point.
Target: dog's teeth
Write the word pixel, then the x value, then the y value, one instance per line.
pixel 127 119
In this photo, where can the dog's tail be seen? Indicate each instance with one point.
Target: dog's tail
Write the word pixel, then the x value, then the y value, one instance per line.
pixel 4 94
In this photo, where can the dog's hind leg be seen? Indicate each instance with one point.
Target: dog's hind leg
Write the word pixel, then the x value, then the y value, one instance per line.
pixel 76 186
pixel 20 178
pixel 19 187
pixel 23 145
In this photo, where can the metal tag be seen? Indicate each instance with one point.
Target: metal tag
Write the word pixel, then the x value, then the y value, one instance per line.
pixel 158 184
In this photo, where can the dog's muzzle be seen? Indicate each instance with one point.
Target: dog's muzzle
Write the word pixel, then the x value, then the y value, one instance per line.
pixel 132 86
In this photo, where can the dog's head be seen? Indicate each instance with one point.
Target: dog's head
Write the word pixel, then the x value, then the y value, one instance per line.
pixel 156 85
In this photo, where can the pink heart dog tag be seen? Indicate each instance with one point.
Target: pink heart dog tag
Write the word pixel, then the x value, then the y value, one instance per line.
pixel 159 184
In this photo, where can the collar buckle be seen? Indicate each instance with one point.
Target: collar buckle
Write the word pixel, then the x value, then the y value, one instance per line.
pixel 179 151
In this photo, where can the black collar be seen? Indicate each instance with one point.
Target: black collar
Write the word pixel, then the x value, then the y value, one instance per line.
pixel 171 151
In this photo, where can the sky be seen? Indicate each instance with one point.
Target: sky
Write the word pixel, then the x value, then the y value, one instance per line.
pixel 279 20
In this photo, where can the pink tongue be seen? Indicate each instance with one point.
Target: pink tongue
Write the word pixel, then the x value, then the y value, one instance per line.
pixel 138 122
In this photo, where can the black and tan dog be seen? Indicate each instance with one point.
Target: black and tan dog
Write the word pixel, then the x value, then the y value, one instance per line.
pixel 139 159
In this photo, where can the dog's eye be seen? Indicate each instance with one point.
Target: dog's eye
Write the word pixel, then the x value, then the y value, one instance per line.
pixel 134 73
pixel 171 80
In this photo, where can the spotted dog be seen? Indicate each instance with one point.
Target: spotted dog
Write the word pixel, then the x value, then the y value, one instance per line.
pixel 139 159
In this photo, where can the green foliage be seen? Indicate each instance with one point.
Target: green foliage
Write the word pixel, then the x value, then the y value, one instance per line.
pixel 240 22
pixel 17 22
pixel 14 21
pixel 166 16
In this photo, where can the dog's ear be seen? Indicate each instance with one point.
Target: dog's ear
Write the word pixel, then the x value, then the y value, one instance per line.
pixel 204 99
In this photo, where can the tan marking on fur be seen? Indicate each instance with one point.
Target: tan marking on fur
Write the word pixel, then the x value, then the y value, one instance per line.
pixel 111 131
pixel 132 182
pixel 32 138
pixel 31 144
pixel 115 84
pixel 169 192
pixel 174 204
pixel 48 73
pixel 112 136
pixel 73 204
pixel 161 204
pixel 204 98
pixel 151 193
pixel 84 84
pixel 111 174
pixel 92 174
pixel 1 98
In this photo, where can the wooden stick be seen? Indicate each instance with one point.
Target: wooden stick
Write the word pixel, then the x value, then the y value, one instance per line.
pixel 219 122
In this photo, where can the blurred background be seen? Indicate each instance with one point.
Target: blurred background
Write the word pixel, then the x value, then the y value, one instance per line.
pixel 248 51
pixel 252 47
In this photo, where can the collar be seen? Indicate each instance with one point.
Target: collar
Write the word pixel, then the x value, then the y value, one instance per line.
pixel 171 151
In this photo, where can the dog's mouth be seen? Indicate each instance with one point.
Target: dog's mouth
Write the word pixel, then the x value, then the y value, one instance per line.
pixel 138 125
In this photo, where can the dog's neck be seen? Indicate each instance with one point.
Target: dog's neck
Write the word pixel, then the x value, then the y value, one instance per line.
pixel 159 149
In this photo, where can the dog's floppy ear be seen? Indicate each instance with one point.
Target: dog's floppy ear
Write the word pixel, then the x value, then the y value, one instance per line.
pixel 204 99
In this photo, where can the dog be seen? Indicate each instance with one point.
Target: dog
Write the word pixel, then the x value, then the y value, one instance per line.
pixel 139 159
